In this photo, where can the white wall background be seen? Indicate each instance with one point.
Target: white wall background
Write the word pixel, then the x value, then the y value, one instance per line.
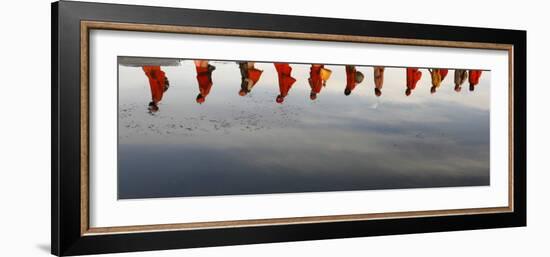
pixel 25 128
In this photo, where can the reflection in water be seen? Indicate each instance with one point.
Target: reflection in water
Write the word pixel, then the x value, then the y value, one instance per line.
pixel 159 84
pixel 285 80
pixel 204 78
pixel 460 77
pixel 438 75
pixel 473 78
pixel 378 80
pixel 244 144
pixel 318 76
pixel 249 77
pixel 413 76
pixel 353 77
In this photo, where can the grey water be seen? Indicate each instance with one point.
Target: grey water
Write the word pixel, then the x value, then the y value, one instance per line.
pixel 234 145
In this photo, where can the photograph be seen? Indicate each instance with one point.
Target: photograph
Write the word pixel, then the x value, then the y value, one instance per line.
pixel 194 127
pixel 178 127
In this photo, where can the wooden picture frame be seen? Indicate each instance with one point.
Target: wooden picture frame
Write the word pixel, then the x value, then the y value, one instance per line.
pixel 71 25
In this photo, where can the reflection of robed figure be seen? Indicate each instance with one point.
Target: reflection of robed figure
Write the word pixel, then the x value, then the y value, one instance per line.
pixel 158 82
pixel 413 76
pixel 473 78
pixel 378 80
pixel 285 80
pixel 353 77
pixel 460 78
pixel 204 79
pixel 438 75
pixel 249 77
pixel 315 80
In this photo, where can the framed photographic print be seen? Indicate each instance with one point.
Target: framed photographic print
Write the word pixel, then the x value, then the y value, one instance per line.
pixel 178 128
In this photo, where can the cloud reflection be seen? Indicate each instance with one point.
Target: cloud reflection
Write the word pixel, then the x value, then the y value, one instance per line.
pixel 235 144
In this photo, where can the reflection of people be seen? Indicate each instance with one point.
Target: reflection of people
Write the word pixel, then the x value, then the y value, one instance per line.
pixel 438 75
pixel 460 77
pixel 318 76
pixel 249 77
pixel 413 76
pixel 285 80
pixel 353 77
pixel 378 80
pixel 204 78
pixel 473 78
pixel 159 84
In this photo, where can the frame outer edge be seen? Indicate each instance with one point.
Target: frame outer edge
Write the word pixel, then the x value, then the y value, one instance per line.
pixel 66 240
pixel 55 129
pixel 520 119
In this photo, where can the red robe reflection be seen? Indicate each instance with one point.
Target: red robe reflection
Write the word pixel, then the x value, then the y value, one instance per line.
pixel 204 79
pixel 443 73
pixel 254 75
pixel 249 77
pixel 473 78
pixel 157 82
pixel 285 80
pixel 413 76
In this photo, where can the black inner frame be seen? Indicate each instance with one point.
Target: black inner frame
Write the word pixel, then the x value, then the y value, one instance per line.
pixel 65 167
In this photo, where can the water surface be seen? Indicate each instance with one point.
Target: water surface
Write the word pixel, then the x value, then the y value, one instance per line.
pixel 233 145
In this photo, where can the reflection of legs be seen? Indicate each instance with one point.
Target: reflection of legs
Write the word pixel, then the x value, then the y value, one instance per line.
pixel 153 107
pixel 166 84
pixel 378 80
pixel 312 95
pixel 158 83
pixel 211 68
pixel 458 88
pixel 243 67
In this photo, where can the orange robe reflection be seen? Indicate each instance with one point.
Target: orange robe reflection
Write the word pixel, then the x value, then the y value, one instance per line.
pixel 315 80
pixel 204 79
pixel 249 76
pixel 353 77
pixel 438 75
pixel 473 78
pixel 413 76
pixel 157 82
pixel 285 80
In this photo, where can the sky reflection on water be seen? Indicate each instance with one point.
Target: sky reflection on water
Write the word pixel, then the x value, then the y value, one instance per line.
pixel 233 145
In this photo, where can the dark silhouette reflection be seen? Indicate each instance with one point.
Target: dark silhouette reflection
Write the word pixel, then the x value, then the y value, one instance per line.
pixel 473 78
pixel 285 80
pixel 378 80
pixel 249 77
pixel 204 78
pixel 353 77
pixel 460 77
pixel 438 75
pixel 159 84
pixel 318 76
pixel 413 76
